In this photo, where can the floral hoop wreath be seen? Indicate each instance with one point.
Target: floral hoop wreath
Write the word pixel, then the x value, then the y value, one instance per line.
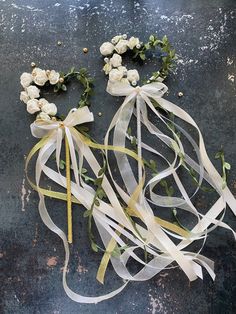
pixel 31 82
pixel 138 101
pixel 120 45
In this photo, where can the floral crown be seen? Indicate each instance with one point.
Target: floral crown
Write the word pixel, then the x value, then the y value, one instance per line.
pixel 121 44
pixel 31 82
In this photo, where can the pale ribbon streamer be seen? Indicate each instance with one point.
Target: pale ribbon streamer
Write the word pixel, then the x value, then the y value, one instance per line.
pixel 106 226
pixel 55 131
pixel 142 96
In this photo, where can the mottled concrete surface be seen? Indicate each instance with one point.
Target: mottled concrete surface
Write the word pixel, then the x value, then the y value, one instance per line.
pixel 203 33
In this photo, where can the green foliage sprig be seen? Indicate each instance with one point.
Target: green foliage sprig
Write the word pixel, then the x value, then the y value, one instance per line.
pixel 168 56
pixel 83 77
pixel 99 195
pixel 225 167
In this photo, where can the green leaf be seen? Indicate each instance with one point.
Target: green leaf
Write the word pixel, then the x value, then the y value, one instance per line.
pixel 155 103
pixel 151 38
pixel 98 181
pixel 170 191
pixel 82 103
pixel 142 56
pixel 115 253
pixel 94 246
pixel 62 164
pixel 129 131
pixel 56 88
pixel 172 53
pixel 87 213
pixel 174 212
pixel 165 40
pixel 83 170
pixel 83 128
pixel 163 183
pixel 133 141
pixel 83 71
pixel 192 172
pixel 63 87
pixel 227 166
pixel 101 171
pixel 218 154
pixel 97 203
pixel 153 164
pixel 101 194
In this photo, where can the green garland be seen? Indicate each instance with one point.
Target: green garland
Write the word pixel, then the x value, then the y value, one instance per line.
pixel 168 56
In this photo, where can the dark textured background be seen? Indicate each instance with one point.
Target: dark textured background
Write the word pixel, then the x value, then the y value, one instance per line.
pixel 203 33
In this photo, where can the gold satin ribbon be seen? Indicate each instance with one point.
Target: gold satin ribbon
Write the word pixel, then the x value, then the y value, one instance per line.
pixel 68 191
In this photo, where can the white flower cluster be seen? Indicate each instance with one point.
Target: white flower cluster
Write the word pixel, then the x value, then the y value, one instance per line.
pixel 31 94
pixel 113 67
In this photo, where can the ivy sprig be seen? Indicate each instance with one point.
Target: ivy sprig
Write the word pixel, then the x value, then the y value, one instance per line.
pixel 225 166
pixel 151 164
pixel 168 56
pixel 83 77
pixel 99 194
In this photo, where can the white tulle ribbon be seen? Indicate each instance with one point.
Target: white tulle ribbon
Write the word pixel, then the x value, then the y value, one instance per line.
pixel 142 97
pixel 108 217
pixel 55 131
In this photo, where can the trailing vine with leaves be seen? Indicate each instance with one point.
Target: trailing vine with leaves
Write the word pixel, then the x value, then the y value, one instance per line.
pixel 84 78
pixel 168 56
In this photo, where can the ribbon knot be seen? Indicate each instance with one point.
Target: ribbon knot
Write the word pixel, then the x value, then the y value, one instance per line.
pixel 138 89
pixel 40 128
pixel 155 89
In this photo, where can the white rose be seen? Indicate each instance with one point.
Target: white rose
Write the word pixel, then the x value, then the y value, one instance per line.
pixel 42 102
pixel 116 60
pixel 107 68
pixel 123 69
pixel 125 80
pixel 26 79
pixel 33 106
pixel 36 71
pixel 132 75
pixel 122 46
pixel 39 76
pixel 133 41
pixel 116 39
pixel 50 109
pixel 24 97
pixel 106 48
pixel 43 116
pixel 115 75
pixel 53 77
pixel 33 92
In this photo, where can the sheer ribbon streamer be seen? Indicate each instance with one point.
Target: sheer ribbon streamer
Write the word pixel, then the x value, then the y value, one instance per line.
pixel 137 101
pixel 151 234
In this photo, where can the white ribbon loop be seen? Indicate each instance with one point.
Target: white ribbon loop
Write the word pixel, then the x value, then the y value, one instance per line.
pixel 40 128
